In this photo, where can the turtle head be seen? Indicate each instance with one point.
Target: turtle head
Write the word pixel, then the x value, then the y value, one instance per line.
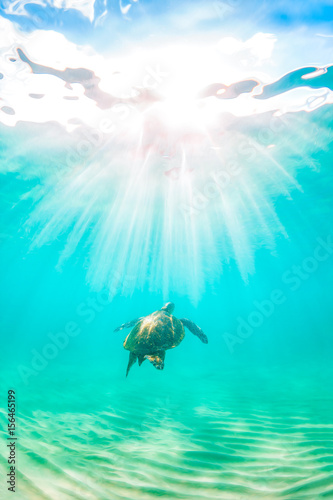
pixel 169 307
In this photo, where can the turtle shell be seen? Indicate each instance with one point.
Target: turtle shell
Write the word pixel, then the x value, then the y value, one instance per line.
pixel 157 332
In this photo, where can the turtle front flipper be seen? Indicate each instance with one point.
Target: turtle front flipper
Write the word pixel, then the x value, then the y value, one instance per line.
pixel 195 329
pixel 157 359
pixel 132 359
pixel 129 324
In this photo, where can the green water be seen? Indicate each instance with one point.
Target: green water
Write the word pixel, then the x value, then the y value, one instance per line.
pixel 88 246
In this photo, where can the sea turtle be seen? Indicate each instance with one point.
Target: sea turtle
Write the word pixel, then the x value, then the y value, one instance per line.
pixel 152 335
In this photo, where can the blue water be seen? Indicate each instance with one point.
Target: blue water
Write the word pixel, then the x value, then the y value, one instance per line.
pixel 192 163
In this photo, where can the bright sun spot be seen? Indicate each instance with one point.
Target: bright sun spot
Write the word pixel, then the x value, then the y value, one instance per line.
pixel 171 163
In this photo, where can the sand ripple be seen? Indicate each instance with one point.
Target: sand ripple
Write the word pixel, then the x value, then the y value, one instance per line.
pixel 137 440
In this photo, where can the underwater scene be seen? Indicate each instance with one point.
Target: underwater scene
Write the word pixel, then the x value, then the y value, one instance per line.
pixel 166 249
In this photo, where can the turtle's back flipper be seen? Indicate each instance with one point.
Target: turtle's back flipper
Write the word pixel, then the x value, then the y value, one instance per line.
pixel 141 359
pixel 195 329
pixel 129 324
pixel 157 360
pixel 132 359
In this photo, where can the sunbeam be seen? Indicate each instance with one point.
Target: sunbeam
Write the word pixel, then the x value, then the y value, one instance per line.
pixel 177 176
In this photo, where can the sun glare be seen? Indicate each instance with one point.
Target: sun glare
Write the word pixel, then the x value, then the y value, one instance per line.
pixel 164 174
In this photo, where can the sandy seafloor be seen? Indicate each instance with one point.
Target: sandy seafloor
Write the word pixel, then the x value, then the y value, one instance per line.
pixel 243 434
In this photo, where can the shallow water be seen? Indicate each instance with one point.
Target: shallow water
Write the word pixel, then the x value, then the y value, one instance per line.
pixel 240 434
pixel 187 157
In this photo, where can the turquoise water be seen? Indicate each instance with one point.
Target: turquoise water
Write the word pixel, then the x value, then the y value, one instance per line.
pixel 208 187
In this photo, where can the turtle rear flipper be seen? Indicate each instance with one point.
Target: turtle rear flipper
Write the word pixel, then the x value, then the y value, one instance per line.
pixel 141 359
pixel 157 359
pixel 132 359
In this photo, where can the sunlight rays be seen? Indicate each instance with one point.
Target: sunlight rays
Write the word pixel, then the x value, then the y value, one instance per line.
pixel 165 185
